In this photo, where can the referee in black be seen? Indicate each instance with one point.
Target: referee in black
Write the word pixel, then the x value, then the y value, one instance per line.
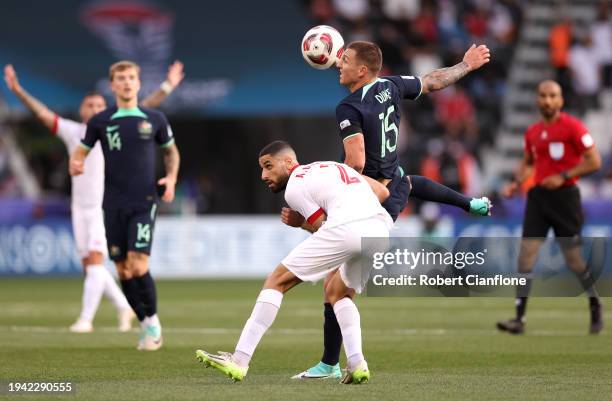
pixel 558 150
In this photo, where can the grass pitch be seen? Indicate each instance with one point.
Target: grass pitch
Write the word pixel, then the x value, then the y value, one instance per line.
pixel 417 349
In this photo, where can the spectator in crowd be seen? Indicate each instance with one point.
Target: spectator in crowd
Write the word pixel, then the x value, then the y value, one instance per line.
pixel 455 113
pixel 390 44
pixel 449 163
pixel 5 172
pixel 560 42
pixel 586 74
pixel 401 10
pixel 322 11
pixel 352 10
pixel 601 33
pixel 477 22
pixel 425 25
pixel 452 34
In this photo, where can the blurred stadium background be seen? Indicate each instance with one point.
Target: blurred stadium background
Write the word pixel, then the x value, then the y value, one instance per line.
pixel 247 84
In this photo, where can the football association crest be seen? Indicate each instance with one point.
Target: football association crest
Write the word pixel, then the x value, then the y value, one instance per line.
pixel 145 129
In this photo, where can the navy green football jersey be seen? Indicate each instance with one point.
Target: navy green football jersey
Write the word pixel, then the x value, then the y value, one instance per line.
pixel 129 138
pixel 374 111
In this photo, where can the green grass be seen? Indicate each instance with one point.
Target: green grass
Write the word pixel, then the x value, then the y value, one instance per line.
pixel 417 349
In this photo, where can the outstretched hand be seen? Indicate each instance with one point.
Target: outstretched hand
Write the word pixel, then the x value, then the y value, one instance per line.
pixel 477 56
pixel 10 77
pixel 175 74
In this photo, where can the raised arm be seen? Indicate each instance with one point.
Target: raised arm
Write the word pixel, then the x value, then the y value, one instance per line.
pixel 172 160
pixel 474 58
pixel 173 79
pixel 46 116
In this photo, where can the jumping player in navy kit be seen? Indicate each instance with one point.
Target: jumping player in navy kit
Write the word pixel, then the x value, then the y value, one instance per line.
pixel 129 135
pixel 369 119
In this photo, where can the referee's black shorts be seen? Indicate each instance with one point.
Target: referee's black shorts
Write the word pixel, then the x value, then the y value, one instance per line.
pixel 558 208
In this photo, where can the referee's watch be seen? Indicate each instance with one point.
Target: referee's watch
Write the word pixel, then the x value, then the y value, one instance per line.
pixel 565 175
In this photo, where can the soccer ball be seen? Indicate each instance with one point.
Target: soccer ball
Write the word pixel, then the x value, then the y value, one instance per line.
pixel 322 46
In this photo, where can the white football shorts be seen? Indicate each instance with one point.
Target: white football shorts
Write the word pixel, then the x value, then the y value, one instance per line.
pixel 88 229
pixel 339 247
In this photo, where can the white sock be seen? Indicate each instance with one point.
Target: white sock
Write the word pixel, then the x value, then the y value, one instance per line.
pixel 262 317
pixel 153 320
pixel 93 288
pixel 350 326
pixel 113 292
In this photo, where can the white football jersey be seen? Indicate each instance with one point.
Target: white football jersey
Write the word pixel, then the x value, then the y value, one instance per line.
pixel 87 188
pixel 335 189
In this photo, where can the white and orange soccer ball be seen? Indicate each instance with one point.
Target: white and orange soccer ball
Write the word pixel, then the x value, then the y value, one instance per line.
pixel 322 46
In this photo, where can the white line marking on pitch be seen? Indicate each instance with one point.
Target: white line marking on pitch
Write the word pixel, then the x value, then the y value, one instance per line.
pixel 223 330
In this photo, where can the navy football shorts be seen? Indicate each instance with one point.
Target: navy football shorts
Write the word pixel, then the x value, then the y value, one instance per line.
pixel 399 188
pixel 129 229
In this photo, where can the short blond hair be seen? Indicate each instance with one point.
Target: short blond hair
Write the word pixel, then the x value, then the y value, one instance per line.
pixel 122 66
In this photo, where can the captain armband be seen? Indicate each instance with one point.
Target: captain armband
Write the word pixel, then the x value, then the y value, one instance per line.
pixel 350 131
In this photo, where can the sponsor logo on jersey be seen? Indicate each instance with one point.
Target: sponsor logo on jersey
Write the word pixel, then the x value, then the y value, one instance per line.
pixel 344 124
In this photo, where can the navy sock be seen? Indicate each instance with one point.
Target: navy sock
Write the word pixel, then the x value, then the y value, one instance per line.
pixel 148 293
pixel 332 337
pixel 132 294
pixel 428 190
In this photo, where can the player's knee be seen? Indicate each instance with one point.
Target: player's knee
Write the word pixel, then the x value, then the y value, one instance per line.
pixel 95 258
pixel 574 260
pixel 137 263
pixel 281 279
pixel 528 254
pixel 122 271
pixel 334 293
pixel 327 280
pixel 334 297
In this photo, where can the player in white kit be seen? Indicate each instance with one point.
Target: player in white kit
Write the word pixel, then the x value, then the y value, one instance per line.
pixel 87 195
pixel 340 206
